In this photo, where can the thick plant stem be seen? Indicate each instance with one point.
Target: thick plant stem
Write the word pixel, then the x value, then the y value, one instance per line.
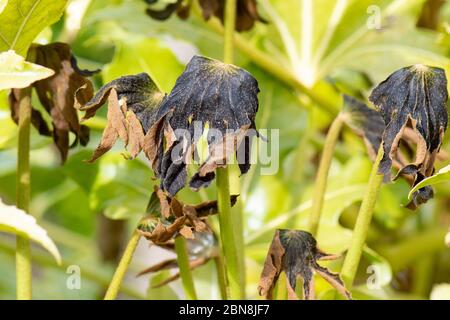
pixel 185 271
pixel 320 185
pixel 228 234
pixel 119 274
pixel 362 225
pixel 23 252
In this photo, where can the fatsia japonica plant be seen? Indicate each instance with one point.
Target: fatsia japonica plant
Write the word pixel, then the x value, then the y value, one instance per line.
pixel 253 149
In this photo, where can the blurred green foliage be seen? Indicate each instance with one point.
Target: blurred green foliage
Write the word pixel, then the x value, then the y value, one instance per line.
pixel 331 48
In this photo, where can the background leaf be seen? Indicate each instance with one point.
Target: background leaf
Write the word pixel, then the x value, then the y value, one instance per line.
pixel 22 20
pixel 16 221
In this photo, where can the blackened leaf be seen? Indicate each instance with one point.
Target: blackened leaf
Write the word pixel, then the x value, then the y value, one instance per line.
pixel 366 122
pixel 165 12
pixel 246 16
pixel 132 105
pixel 295 252
pixel 208 92
pixel 415 96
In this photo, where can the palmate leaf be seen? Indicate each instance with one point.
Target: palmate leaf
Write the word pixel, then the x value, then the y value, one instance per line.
pixel 15 72
pixel 16 221
pixel 22 20
pixel 316 38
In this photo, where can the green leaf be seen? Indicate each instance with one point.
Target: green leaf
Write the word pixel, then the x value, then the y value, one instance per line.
pixel 140 54
pixel 335 203
pixel 442 175
pixel 14 220
pixel 23 20
pixel 3 4
pixel 15 72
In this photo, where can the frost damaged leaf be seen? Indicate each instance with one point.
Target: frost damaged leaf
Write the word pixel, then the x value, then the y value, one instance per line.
pixel 132 105
pixel 57 95
pixel 365 121
pixel 413 99
pixel 168 217
pixel 212 93
pixel 296 253
pixel 246 11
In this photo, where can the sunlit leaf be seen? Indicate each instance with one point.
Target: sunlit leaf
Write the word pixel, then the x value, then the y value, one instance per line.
pixel 22 20
pixel 14 220
pixel 441 176
pixel 15 72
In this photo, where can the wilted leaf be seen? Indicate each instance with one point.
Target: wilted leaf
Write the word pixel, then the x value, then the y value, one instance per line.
pixel 212 93
pixel 246 11
pixel 22 20
pixel 57 95
pixel 365 121
pixel 15 72
pixel 14 220
pixel 169 217
pixel 296 253
pixel 413 98
pixel 132 105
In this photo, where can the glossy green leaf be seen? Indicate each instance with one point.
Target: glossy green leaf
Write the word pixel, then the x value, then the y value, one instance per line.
pixel 23 20
pixel 441 176
pixel 16 221
pixel 15 72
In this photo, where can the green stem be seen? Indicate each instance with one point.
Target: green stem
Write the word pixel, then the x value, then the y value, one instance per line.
pixel 362 225
pixel 221 276
pixel 228 237
pixel 228 221
pixel 23 252
pixel 322 175
pixel 185 270
pixel 119 274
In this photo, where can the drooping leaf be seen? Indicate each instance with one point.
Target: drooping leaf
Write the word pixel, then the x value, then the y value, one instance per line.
pixel 22 20
pixel 133 102
pixel 246 11
pixel 212 93
pixel 57 95
pixel 414 98
pixel 16 221
pixel 168 217
pixel 295 252
pixel 365 121
pixel 15 72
